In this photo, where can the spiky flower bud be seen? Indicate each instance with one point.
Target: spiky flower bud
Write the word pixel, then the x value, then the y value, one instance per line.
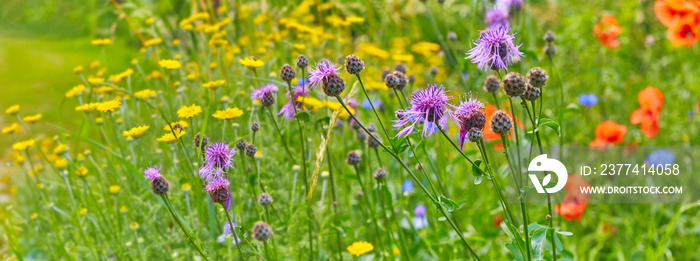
pixel 400 67
pixel 361 135
pixel 220 195
pixel 267 99
pixel 250 150
pixel 177 126
pixel 411 78
pixel 264 199
pixel 354 65
pixel 492 83
pixel 333 85
pixel 550 49
pixel 474 134
pixel 402 81
pixel 433 71
pixel 531 92
pixel 261 231
pixel 160 186
pixel 385 72
pixel 241 145
pixel 371 127
pixel 380 174
pixel 501 122
pixel 537 77
pixel 302 61
pixel 452 36
pixel 549 36
pixel 354 125
pixel 371 142
pixel 287 73
pixel 255 126
pixel 514 84
pixel 204 139
pixel 353 158
pixel 478 120
pixel 391 81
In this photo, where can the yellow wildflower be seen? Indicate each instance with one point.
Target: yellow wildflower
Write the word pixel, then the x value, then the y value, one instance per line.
pixel 144 94
pixel 13 128
pixel 123 209
pixel 189 112
pixel 39 186
pixel 213 84
pixel 95 80
pixel 300 46
pixel 360 248
pixel 78 69
pixel 169 137
pixel 135 132
pixel 396 251
pixel 104 89
pixel 120 76
pixel 33 216
pixel 186 187
pixel 228 113
pixel 425 48
pixel 109 105
pixel 60 148
pixel 114 189
pixel 155 74
pixel 152 42
pixel 75 91
pixel 191 77
pixel 373 50
pixel 169 64
pixel 355 19
pixel 81 172
pixel 406 58
pixel 184 124
pixel 24 145
pixel 32 118
pixel 134 225
pixel 12 109
pixel 94 64
pixel 88 107
pixel 61 163
pixel 175 42
pixel 149 20
pixel 101 41
pixel 310 103
pixel 251 62
pixel 82 212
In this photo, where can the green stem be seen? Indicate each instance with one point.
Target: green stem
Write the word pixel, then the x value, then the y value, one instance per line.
pixel 235 235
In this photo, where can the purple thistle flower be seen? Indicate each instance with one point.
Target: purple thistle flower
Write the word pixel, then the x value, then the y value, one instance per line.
pixel 217 158
pixel 513 5
pixel 152 173
pixel 218 189
pixel 428 106
pixel 496 17
pixel 321 71
pixel 420 220
pixel 467 108
pixel 227 232
pixel 287 111
pixel 262 90
pixel 495 50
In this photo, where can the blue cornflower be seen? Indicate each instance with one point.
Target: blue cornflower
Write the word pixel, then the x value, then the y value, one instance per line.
pixel 588 99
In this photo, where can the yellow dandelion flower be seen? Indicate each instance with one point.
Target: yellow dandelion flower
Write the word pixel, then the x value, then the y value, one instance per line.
pixel 60 148
pixel 176 42
pixel 169 137
pixel 81 172
pixel 396 251
pixel 60 163
pixel 24 145
pixel 144 94
pixel 78 69
pixel 32 118
pixel 135 132
pixel 75 91
pixel 213 84
pixel 12 109
pixel 191 77
pixel 115 189
pixel 88 107
pixel 120 76
pixel 310 103
pixel 123 209
pixel 134 225
pixel 155 74
pixel 33 216
pixel 95 80
pixel 212 65
pixel 360 248
pixel 101 42
pixel 251 62
pixel 169 64
pixel 186 187
pixel 82 212
pixel 104 89
pixel 184 124
pixel 39 186
pixel 228 113
pixel 13 128
pixel 187 112
pixel 109 106
pixel 94 64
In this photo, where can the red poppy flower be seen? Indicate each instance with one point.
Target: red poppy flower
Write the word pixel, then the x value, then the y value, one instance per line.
pixel 651 100
pixel 570 208
pixel 609 133
pixel 684 31
pixel 669 11
pixel 607 31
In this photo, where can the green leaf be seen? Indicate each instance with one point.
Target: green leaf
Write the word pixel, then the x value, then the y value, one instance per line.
pixel 304 116
pixel 549 123
pixel 517 254
pixel 448 203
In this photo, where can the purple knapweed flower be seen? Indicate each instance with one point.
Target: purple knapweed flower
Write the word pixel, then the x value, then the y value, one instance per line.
pixel 217 158
pixel 152 173
pixel 262 90
pixel 588 99
pixel 320 71
pixel 497 17
pixel 495 49
pixel 467 108
pixel 512 5
pixel 227 232
pixel 288 110
pixel 219 191
pixel 428 106
pixel 420 220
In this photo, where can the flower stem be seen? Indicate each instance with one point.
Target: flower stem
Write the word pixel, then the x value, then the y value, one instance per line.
pixel 373 109
pixel 284 143
pixel 235 235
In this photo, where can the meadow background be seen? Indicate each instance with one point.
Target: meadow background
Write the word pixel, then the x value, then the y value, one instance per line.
pixel 41 42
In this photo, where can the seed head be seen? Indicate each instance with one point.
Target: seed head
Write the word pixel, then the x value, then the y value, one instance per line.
pixel 264 199
pixel 549 36
pixel 385 72
pixel 371 142
pixel 433 71
pixel 160 186
pixel 333 85
pixel 411 78
pixel 550 49
pixel 492 84
pixel 402 81
pixel 501 122
pixel 531 92
pixel 354 65
pixel 474 134
pixel 452 36
pixel 267 99
pixel 361 135
pixel 400 67
pixel 354 125
pixel 241 145
pixel 380 174
pixel 302 61
pixel 204 139
pixel 261 231
pixel 514 84
pixel 219 191
pixel 255 126
pixel 265 94
pixel 250 150
pixel 353 158
pixel 537 77
pixel 287 73
pixel 371 127
pixel 478 120
pixel 391 81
